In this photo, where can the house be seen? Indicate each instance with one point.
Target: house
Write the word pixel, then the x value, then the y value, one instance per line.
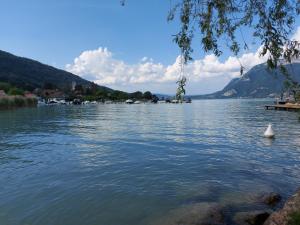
pixel 49 93
pixel 2 93
pixel 28 94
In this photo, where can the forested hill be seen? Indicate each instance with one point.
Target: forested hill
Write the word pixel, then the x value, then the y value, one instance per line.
pixel 30 74
pixel 258 82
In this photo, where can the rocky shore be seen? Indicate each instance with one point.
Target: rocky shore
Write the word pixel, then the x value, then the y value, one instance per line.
pixel 270 210
pixel 289 214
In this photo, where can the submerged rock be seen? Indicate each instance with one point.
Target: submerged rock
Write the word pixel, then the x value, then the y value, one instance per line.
pixel 271 199
pixel 282 217
pixel 251 217
pixel 196 214
pixel 247 201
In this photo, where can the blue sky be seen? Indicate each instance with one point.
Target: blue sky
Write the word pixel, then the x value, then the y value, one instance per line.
pixel 58 31
pixel 128 48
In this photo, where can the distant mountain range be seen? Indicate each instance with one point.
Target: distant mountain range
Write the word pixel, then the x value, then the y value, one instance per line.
pixel 258 82
pixel 30 74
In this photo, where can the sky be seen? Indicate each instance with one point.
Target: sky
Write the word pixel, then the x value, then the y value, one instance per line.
pixel 127 48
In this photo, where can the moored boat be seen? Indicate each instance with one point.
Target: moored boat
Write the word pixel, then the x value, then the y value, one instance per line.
pixel 129 101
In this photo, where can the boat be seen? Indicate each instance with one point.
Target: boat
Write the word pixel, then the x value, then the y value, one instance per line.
pixel 189 100
pixel 41 102
pixel 175 101
pixel 77 101
pixel 280 101
pixel 129 101
pixel 52 101
pixel 137 102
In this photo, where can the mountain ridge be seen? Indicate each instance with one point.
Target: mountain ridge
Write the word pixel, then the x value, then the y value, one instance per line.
pixel 30 74
pixel 258 82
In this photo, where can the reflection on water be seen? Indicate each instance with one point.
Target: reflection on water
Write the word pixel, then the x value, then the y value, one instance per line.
pixel 133 164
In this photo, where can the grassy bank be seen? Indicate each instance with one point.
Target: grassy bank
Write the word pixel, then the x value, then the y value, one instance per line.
pixel 9 102
pixel 294 219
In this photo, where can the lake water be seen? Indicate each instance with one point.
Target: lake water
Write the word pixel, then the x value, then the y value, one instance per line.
pixel 133 164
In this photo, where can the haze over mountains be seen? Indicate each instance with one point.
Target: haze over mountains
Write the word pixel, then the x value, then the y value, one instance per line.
pixel 258 82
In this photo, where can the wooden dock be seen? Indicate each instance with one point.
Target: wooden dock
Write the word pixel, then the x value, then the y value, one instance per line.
pixel 286 107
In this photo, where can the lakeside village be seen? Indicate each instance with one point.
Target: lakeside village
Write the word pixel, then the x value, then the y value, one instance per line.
pixel 77 94
pixel 12 96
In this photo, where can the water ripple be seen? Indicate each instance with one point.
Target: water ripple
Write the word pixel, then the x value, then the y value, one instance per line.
pixel 129 164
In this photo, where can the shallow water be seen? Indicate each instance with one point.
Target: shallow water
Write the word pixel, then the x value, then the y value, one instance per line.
pixel 133 164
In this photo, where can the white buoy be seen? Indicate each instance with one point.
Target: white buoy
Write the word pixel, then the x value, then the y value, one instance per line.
pixel 269 133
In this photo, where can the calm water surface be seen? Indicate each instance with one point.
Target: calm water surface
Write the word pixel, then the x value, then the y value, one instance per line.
pixel 132 164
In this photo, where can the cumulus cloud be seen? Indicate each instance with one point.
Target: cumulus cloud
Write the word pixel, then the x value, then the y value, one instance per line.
pixel 208 73
pixel 102 67
pixel 296 36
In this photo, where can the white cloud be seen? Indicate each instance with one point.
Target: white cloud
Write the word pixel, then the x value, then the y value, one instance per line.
pixel 102 67
pixel 296 36
pixel 205 75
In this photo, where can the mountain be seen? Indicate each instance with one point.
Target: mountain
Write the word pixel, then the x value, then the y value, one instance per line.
pixel 30 74
pixel 258 82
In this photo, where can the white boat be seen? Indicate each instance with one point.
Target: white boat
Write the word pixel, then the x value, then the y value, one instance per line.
pixel 93 102
pixel 62 102
pixel 269 133
pixel 175 101
pixel 129 101
pixel 137 102
pixel 52 101
pixel 41 102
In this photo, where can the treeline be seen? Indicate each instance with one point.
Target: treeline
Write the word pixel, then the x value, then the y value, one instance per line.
pixel 13 97
pixel 8 102
pixel 93 92
pixel 10 89
pixel 119 96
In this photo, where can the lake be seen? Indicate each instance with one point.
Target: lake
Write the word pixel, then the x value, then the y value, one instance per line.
pixel 120 164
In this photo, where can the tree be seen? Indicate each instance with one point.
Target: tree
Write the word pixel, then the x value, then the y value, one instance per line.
pixel 5 86
pixel 136 95
pixel 147 95
pixel 181 88
pixel 219 21
pixel 15 91
pixel 271 21
pixel 118 95
pixel 292 87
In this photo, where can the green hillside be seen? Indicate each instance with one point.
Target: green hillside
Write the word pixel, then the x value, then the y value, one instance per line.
pixel 30 74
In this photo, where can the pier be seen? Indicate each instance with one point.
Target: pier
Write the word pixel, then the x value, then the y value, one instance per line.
pixel 286 107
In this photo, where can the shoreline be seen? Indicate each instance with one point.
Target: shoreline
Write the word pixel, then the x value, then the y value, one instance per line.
pixel 17 101
pixel 262 209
